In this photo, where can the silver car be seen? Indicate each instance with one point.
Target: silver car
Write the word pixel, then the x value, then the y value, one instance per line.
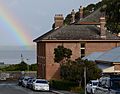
pixel 108 85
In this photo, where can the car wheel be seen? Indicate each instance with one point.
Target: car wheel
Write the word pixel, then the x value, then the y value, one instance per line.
pixel 91 92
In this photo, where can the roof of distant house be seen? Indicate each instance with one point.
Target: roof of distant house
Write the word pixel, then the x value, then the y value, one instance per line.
pixel 112 55
pixel 93 56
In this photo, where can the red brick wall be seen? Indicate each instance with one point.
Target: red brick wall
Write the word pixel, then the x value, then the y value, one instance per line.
pixel 75 47
pixel 117 67
pixel 99 46
pixel 41 60
pixel 52 71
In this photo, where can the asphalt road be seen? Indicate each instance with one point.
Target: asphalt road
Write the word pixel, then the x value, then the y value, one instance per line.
pixel 13 88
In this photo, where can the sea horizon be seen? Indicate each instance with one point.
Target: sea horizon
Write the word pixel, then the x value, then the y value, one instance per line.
pixel 12 54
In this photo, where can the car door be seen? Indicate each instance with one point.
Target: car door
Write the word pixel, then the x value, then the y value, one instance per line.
pixel 89 87
pixel 105 86
pixel 102 87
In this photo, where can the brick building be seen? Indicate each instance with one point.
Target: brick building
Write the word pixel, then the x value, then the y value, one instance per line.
pixel 84 37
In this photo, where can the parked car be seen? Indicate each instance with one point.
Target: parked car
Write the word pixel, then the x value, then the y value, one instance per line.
pixel 41 84
pixel 30 82
pixel 24 81
pixel 91 86
pixel 20 80
pixel 108 85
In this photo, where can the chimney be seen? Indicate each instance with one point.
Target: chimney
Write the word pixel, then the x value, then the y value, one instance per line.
pixel 102 27
pixel 59 19
pixel 81 12
pixel 73 16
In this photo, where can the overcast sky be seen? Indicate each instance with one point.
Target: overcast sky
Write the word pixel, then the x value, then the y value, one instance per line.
pixel 37 16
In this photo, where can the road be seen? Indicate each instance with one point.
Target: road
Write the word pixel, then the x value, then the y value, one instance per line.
pixel 13 88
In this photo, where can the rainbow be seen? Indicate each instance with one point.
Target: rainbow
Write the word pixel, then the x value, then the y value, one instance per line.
pixel 10 24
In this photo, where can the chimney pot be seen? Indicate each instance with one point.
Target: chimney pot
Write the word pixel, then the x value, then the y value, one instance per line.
pixel 73 16
pixel 81 12
pixel 59 19
pixel 102 27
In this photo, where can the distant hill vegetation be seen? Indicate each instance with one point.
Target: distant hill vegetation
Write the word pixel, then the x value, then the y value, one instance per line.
pixel 87 10
pixel 112 13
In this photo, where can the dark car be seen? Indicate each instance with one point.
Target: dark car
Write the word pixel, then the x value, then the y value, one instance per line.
pixel 20 80
pixel 108 85
pixel 25 80
pixel 30 82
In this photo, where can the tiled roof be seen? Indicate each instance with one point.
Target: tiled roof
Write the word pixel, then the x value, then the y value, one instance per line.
pixel 93 17
pixel 79 31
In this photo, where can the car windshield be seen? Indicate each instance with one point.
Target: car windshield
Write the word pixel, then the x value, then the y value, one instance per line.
pixel 26 79
pixel 43 82
pixel 95 83
pixel 115 84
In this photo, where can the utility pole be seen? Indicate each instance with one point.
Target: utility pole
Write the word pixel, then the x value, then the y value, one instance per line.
pixel 85 79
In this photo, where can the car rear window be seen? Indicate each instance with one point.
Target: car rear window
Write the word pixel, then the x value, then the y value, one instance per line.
pixel 44 82
pixel 95 83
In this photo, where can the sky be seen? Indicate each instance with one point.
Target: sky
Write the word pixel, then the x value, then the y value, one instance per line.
pixel 21 21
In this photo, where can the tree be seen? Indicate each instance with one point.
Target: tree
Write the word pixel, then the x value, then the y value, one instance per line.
pixel 112 10
pixel 68 19
pixel 22 66
pixel 33 67
pixel 74 71
pixel 61 54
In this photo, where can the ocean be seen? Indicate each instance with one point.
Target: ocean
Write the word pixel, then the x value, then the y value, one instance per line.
pixel 12 55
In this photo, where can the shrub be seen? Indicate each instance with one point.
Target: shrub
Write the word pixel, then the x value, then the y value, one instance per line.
pixel 62 85
pixel 77 89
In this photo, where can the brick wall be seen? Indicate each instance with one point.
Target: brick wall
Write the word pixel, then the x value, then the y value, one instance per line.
pixel 41 60
pixel 52 71
pixel 99 46
pixel 75 47
pixel 52 68
pixel 117 67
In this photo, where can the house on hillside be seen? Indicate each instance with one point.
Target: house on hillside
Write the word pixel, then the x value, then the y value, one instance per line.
pixel 84 37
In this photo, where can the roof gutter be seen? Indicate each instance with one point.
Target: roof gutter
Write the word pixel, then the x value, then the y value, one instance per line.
pixel 77 41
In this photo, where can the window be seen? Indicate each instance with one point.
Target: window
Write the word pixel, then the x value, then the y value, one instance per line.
pixel 82 45
pixel 82 49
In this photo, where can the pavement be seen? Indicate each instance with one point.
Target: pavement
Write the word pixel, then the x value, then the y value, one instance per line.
pixel 62 92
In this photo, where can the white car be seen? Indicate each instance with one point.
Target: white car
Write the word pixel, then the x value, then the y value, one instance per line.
pixel 40 84
pixel 91 86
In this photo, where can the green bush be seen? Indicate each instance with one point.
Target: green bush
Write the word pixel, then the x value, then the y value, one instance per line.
pixel 62 85
pixel 77 89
